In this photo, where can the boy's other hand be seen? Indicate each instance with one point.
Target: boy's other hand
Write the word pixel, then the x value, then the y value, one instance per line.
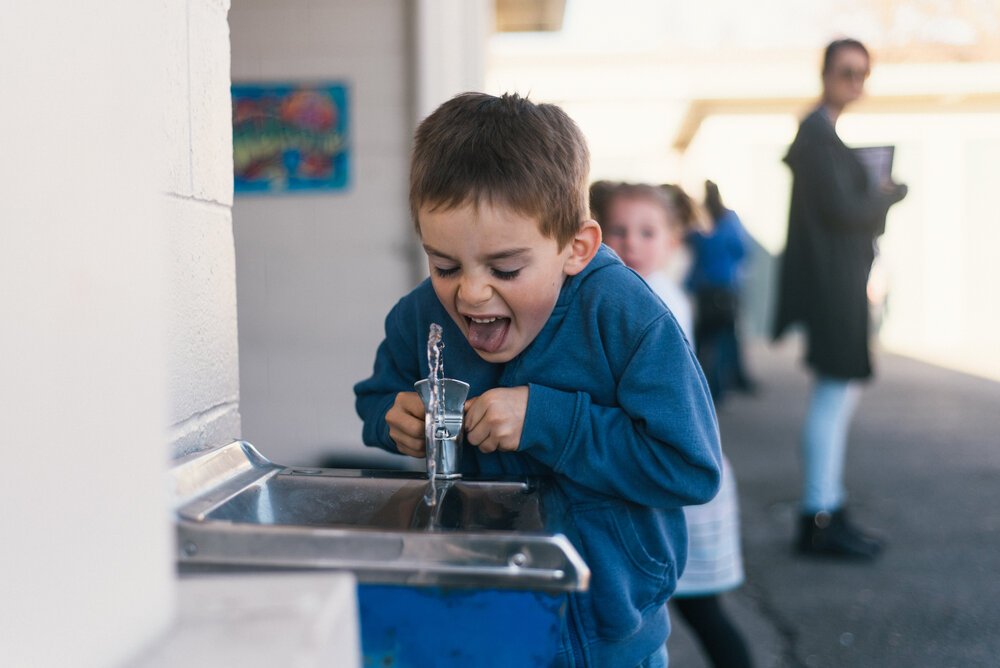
pixel 406 424
pixel 494 419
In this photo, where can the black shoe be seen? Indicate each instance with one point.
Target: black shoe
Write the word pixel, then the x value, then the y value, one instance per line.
pixel 830 534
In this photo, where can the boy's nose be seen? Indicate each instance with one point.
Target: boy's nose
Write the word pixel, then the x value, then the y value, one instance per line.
pixel 474 290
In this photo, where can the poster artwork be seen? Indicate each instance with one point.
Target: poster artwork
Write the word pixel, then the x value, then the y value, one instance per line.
pixel 290 137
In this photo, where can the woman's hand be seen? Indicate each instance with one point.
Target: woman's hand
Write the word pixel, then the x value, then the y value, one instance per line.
pixel 895 191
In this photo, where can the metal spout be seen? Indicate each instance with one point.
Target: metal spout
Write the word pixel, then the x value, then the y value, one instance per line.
pixel 447 432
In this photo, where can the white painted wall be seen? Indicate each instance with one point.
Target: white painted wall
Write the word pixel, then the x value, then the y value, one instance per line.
pixel 940 248
pixel 115 246
pixel 317 273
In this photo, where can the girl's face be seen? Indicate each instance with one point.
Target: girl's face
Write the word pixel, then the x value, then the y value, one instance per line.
pixel 640 231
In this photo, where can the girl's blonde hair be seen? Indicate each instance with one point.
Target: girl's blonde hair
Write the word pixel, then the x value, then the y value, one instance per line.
pixel 681 208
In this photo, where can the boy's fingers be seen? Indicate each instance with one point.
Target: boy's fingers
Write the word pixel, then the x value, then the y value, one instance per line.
pixel 474 411
pixel 488 446
pixel 496 440
pixel 490 437
pixel 410 429
pixel 483 439
pixel 478 425
pixel 411 452
pixel 411 403
pixel 406 424
pixel 406 444
pixel 493 421
pixel 479 435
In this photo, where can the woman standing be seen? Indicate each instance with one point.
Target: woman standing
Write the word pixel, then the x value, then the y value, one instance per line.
pixel 835 216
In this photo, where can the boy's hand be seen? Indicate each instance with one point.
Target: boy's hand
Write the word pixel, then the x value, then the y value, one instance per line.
pixel 406 424
pixel 494 419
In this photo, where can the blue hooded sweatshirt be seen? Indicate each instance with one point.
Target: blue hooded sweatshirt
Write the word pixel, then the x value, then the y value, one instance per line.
pixel 618 413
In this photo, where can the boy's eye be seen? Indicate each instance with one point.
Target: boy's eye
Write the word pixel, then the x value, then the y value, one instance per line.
pixel 506 275
pixel 445 272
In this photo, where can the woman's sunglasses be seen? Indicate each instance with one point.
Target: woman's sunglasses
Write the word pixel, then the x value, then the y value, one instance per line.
pixel 851 74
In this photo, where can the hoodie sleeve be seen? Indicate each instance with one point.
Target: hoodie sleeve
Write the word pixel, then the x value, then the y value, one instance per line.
pixel 658 447
pixel 395 367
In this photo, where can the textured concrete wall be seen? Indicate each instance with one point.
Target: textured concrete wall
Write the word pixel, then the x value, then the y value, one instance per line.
pixel 202 349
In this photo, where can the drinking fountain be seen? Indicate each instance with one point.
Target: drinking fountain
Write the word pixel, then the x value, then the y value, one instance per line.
pixel 444 426
pixel 449 567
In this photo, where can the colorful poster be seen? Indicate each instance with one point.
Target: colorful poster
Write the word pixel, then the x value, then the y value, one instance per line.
pixel 290 137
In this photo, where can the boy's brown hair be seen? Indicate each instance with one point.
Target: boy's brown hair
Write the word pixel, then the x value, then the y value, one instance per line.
pixel 508 151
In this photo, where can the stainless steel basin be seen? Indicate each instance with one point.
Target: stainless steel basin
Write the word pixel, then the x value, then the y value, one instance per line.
pixel 237 509
pixel 332 497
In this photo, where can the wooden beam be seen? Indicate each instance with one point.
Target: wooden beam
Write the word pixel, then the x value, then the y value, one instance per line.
pixel 700 109
pixel 529 15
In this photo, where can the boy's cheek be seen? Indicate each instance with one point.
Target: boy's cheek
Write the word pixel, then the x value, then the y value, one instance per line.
pixel 441 288
pixel 441 294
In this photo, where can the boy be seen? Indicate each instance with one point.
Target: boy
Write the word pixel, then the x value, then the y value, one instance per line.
pixel 577 370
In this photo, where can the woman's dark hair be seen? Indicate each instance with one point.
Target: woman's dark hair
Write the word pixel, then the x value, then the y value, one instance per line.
pixel 713 201
pixel 838 44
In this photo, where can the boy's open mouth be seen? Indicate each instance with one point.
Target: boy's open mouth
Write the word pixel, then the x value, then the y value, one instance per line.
pixel 487 334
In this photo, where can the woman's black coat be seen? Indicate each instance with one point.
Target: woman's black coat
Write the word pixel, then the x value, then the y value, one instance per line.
pixel 835 216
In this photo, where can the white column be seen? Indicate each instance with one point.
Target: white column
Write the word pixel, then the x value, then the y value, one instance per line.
pixel 450 49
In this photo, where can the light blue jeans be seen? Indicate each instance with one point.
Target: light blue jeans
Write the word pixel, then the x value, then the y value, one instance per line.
pixel 824 443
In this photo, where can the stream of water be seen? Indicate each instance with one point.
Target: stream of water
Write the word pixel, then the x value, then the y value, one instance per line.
pixel 434 415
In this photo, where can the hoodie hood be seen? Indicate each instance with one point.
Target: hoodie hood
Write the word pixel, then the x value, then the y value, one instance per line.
pixel 815 128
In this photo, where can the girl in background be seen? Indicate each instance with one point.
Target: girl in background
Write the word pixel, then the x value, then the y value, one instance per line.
pixel 646 225
pixel 716 280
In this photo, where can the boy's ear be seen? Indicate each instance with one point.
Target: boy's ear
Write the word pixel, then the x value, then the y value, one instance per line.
pixel 583 247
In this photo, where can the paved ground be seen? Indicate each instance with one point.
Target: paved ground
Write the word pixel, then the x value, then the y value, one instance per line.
pixel 924 469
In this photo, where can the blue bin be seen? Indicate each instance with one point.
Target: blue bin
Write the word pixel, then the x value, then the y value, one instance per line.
pixel 417 627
